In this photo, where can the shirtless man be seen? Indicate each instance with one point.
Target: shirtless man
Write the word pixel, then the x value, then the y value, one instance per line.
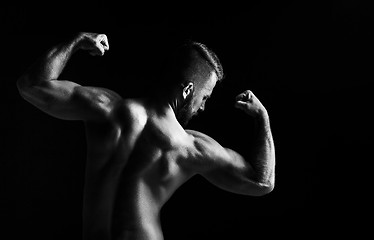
pixel 138 151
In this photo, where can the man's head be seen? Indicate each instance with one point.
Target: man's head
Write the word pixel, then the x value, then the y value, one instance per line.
pixel 194 97
pixel 191 73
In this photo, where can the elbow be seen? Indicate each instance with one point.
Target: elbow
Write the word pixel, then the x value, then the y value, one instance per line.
pixel 22 85
pixel 268 186
pixel 21 88
pixel 266 189
pixel 266 183
pixel 261 185
pixel 262 188
pixel 25 87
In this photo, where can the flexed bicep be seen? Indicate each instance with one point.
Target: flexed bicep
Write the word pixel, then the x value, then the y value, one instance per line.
pixel 225 168
pixel 42 87
pixel 235 174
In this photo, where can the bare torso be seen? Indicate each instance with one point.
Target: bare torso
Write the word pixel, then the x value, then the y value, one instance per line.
pixel 127 182
pixel 138 154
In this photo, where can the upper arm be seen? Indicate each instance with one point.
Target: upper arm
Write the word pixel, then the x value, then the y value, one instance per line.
pixel 224 167
pixel 70 101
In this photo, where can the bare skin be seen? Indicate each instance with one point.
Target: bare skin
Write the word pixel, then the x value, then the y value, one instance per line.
pixel 138 153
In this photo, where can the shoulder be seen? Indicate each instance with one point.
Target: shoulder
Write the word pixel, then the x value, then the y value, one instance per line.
pixel 205 148
pixel 99 102
pixel 203 141
pixel 130 113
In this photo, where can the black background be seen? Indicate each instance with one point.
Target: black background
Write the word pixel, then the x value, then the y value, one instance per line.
pixel 309 62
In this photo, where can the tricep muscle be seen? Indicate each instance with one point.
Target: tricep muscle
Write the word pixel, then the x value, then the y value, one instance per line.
pixel 70 101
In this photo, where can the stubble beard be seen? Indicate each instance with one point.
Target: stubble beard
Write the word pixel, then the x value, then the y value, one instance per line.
pixel 185 114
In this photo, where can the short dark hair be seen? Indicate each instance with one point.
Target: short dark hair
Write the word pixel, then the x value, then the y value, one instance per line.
pixel 187 60
pixel 208 55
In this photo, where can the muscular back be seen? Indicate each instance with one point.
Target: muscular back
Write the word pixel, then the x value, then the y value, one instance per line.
pixel 138 154
pixel 133 168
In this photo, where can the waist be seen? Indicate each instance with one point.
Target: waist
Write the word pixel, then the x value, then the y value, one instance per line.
pixel 149 232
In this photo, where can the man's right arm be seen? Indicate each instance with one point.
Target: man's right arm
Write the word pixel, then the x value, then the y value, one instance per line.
pixel 41 85
pixel 228 169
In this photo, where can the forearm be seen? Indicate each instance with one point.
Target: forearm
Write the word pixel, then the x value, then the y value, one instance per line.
pixel 50 65
pixel 263 153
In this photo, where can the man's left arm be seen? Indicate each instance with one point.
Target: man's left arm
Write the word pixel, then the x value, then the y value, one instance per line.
pixel 229 170
pixel 262 154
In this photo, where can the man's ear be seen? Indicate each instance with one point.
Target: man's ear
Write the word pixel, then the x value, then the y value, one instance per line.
pixel 187 90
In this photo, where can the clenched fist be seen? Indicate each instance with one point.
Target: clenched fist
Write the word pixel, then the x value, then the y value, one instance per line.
pixel 95 43
pixel 250 104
